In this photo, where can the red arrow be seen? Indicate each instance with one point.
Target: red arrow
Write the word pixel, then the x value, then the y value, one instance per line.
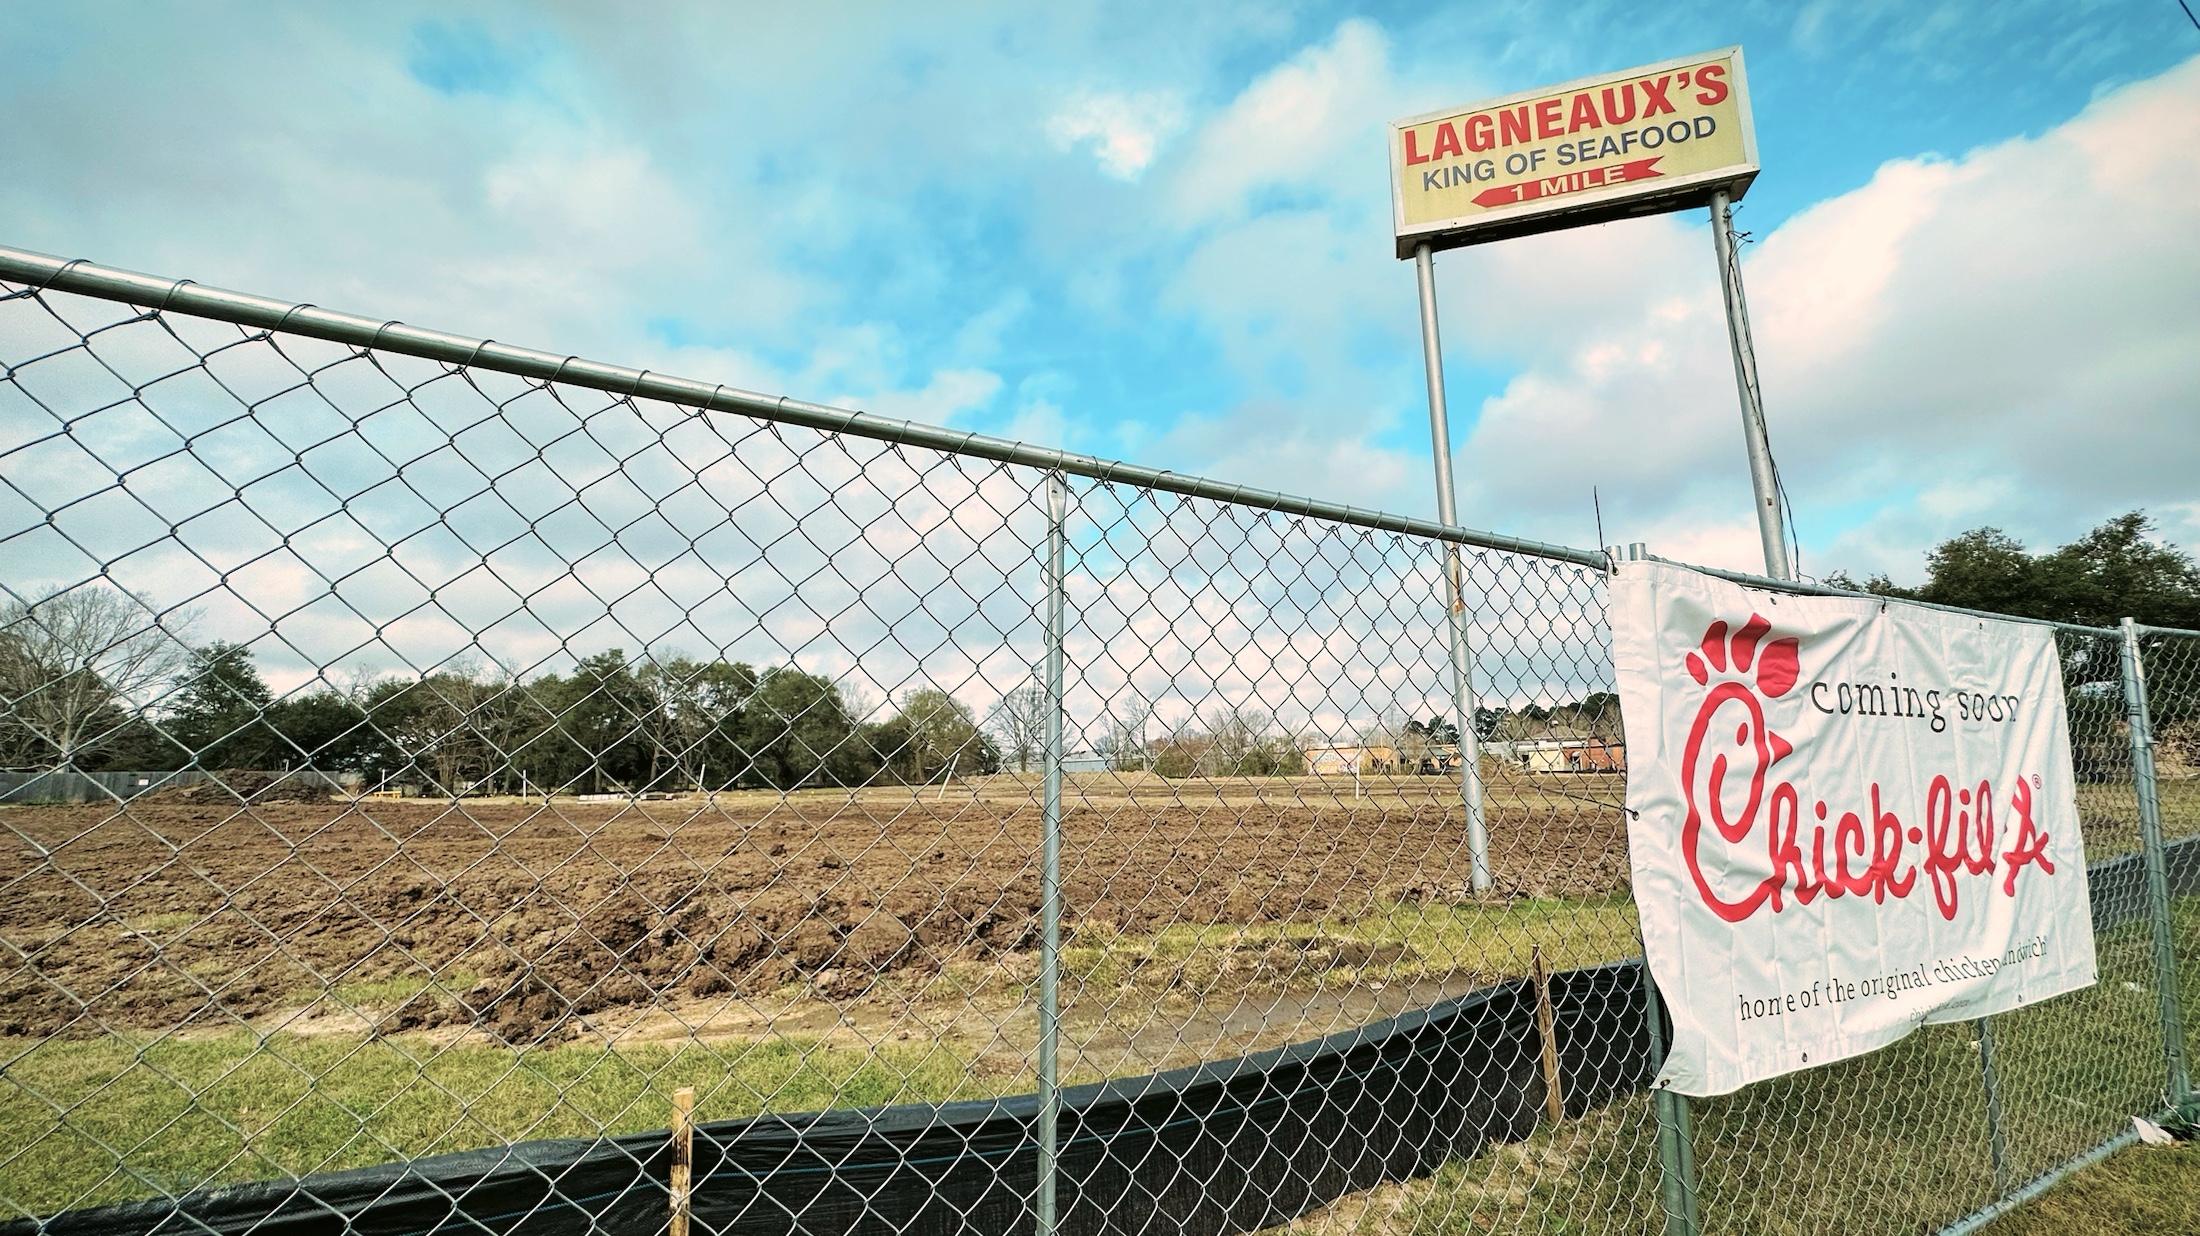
pixel 1571 182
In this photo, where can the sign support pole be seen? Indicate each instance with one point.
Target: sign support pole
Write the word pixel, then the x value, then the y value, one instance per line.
pixel 1770 528
pixel 1455 575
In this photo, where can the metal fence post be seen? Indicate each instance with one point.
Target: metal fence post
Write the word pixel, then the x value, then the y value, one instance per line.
pixel 1676 1129
pixel 2150 841
pixel 1050 861
pixel 1997 1142
pixel 1455 576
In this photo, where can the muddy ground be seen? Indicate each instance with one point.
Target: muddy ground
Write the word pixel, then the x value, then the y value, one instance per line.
pixel 526 919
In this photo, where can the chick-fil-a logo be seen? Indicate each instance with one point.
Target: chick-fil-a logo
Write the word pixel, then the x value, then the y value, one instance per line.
pixel 1741 669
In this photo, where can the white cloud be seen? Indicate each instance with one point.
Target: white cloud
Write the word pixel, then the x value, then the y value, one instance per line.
pixel 1313 121
pixel 1041 423
pixel 603 212
pixel 949 393
pixel 1123 131
pixel 1297 292
pixel 2007 337
pixel 608 205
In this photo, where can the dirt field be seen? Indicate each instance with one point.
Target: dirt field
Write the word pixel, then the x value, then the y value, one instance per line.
pixel 527 920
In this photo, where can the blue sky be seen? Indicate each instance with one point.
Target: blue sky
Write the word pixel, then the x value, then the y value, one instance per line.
pixel 1161 232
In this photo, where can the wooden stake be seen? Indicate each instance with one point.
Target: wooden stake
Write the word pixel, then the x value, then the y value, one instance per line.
pixel 1545 1022
pixel 683 1156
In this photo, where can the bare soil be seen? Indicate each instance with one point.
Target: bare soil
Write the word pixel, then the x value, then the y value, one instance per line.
pixel 250 785
pixel 526 919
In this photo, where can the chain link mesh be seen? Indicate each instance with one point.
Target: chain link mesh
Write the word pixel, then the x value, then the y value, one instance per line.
pixel 2172 664
pixel 410 758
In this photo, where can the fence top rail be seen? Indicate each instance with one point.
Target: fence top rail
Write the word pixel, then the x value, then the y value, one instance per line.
pixel 183 296
pixel 86 278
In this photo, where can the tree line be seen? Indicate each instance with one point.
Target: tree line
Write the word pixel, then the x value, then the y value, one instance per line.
pixel 2113 572
pixel 610 724
pixel 87 682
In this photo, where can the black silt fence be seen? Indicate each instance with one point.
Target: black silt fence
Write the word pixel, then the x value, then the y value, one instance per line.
pixel 2117 886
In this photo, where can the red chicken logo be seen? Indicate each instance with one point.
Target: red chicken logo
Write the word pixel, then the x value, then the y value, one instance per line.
pixel 1731 751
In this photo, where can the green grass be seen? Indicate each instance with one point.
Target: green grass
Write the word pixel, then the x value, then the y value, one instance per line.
pixel 2108 812
pixel 2180 802
pixel 1893 1141
pixel 2143 1191
pixel 186 1113
pixel 1395 941
pixel 158 924
pixel 395 990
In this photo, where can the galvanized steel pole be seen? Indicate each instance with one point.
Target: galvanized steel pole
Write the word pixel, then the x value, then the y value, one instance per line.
pixel 1997 1138
pixel 1770 528
pixel 1050 858
pixel 1676 1128
pixel 1676 1124
pixel 1455 574
pixel 2166 992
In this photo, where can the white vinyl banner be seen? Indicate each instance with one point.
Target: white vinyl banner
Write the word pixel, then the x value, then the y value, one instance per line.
pixel 1847 818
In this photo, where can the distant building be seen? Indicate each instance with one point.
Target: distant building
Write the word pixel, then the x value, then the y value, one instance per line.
pixel 1344 761
pixel 1437 759
pixel 1569 755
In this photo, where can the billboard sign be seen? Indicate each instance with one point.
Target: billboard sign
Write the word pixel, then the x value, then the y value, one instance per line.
pixel 1847 819
pixel 1659 138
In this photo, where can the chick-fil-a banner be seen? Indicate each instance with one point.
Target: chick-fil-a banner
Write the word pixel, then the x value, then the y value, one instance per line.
pixel 1847 819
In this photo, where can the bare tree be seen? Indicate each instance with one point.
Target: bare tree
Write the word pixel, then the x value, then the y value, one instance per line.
pixel 1020 719
pixel 1403 735
pixel 1126 739
pixel 1243 746
pixel 70 663
pixel 474 722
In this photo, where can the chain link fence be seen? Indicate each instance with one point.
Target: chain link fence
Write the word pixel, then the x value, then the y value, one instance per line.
pixel 482 762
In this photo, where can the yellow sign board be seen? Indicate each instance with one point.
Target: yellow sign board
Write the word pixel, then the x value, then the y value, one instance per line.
pixel 1649 140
